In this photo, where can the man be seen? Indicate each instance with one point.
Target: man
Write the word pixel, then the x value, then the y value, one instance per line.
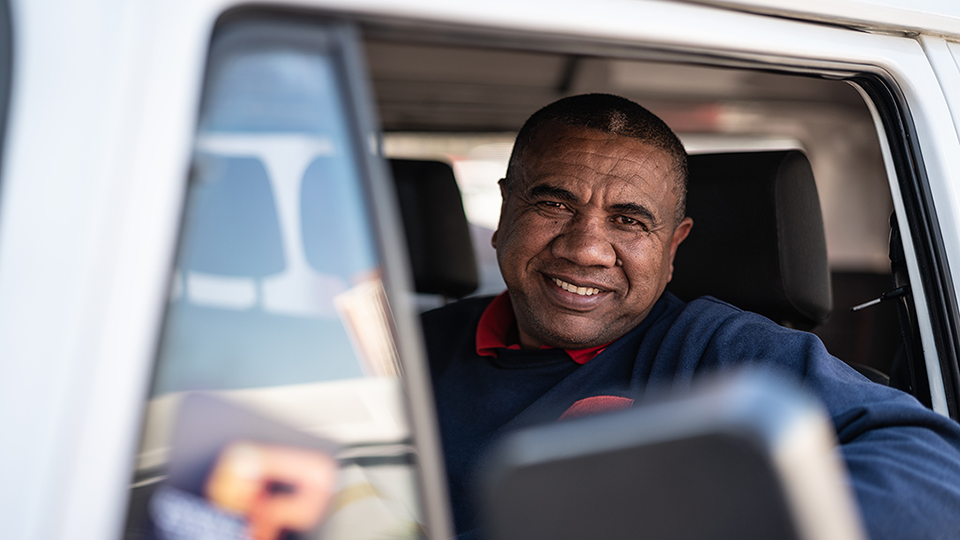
pixel 592 215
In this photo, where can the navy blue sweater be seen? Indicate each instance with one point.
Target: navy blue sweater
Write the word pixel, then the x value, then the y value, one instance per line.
pixel 904 460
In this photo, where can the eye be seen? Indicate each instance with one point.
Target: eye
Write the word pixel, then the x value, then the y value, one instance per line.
pixel 551 205
pixel 627 221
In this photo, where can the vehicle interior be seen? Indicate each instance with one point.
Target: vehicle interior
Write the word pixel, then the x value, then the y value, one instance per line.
pixel 461 104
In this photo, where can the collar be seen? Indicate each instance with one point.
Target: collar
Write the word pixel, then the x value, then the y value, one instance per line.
pixel 497 329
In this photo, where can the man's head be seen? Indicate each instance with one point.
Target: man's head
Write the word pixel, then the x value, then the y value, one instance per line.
pixel 591 219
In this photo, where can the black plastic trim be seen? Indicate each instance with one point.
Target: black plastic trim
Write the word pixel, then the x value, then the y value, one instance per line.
pixel 939 293
pixel 6 70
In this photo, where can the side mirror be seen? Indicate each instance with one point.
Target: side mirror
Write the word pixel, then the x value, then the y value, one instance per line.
pixel 749 457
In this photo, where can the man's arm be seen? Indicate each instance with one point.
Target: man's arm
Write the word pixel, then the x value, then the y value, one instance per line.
pixel 903 459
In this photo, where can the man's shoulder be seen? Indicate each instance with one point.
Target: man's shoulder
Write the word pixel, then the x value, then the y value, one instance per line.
pixel 452 328
pixel 709 320
pixel 701 310
pixel 452 321
pixel 712 305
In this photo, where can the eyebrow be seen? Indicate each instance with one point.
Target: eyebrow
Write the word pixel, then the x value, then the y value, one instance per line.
pixel 546 190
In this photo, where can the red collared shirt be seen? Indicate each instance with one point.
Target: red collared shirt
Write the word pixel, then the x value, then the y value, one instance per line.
pixel 498 330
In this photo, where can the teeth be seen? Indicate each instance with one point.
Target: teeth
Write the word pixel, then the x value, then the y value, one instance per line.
pixel 569 287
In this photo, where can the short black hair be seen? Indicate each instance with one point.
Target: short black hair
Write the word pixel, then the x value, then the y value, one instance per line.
pixel 610 114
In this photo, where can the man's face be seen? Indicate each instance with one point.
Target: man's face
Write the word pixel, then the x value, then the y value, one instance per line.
pixel 587 236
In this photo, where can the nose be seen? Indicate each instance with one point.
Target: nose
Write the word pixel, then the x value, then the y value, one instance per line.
pixel 583 241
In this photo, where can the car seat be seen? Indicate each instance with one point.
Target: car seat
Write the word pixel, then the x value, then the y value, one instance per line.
pixel 438 236
pixel 757 241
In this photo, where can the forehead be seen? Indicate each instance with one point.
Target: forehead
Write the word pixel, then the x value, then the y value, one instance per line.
pixel 593 158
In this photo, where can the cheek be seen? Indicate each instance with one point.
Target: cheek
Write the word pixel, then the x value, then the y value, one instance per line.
pixel 645 264
pixel 530 233
pixel 521 245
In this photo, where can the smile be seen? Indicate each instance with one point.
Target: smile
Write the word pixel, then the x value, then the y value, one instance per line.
pixel 570 287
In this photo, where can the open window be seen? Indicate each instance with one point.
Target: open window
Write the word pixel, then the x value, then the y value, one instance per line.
pixel 461 101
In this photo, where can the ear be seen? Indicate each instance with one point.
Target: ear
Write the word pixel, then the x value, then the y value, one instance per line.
pixel 679 235
pixel 503 207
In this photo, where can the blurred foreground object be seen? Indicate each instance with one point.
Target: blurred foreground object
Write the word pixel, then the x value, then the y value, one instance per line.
pixel 234 474
pixel 746 457
pixel 276 488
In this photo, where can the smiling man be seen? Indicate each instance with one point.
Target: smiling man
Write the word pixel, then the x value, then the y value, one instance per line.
pixel 592 216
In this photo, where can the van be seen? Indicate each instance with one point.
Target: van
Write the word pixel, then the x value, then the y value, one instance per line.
pixel 194 196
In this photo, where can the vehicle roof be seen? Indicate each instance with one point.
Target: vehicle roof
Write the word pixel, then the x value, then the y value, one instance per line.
pixel 936 17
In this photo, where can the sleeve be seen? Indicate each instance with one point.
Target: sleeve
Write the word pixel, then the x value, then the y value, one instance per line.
pixel 903 459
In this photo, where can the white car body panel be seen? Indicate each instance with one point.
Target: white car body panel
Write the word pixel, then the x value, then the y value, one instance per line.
pixel 938 17
pixel 101 126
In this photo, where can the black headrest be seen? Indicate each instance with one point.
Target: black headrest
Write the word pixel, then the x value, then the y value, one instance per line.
pixel 757 241
pixel 438 237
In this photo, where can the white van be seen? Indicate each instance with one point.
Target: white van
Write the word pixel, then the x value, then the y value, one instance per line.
pixel 193 197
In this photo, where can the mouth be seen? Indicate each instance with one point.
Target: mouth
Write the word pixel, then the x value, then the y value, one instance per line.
pixel 575 289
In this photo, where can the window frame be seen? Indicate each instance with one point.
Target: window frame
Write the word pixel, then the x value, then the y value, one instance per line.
pixel 888 82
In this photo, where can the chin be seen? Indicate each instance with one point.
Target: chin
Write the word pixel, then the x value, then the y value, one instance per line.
pixel 581 339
